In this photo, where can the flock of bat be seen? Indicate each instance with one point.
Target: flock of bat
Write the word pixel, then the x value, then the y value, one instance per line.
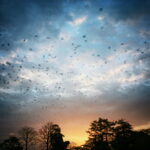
pixel 9 71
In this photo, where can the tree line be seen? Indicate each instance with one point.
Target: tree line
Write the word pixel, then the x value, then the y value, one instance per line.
pixel 103 135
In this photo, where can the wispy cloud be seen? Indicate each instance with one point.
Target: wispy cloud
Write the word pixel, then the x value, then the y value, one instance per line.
pixel 79 21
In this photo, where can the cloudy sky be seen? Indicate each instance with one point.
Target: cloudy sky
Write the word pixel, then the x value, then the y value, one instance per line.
pixel 72 61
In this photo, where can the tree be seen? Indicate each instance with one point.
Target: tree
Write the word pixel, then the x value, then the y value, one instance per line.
pixel 52 138
pixel 100 133
pixel 146 131
pixel 141 140
pixel 12 143
pixel 123 135
pixel 116 135
pixel 76 148
pixel 28 136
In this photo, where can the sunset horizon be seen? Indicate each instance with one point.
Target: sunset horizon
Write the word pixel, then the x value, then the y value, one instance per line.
pixel 71 62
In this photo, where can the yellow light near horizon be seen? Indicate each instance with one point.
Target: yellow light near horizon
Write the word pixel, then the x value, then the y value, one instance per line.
pixel 75 134
pixel 77 139
pixel 146 126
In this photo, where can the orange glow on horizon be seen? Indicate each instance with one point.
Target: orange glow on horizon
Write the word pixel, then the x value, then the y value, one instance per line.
pixel 79 137
pixel 72 132
pixel 77 133
pixel 74 124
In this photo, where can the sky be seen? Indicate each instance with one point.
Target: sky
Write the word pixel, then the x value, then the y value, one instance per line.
pixel 72 61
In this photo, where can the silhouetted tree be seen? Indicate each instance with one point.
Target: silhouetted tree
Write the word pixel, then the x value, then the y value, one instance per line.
pixel 146 131
pixel 86 146
pixel 28 137
pixel 103 135
pixel 76 148
pixel 12 143
pixel 123 135
pixel 51 136
pixel 72 145
pixel 118 135
pixel 100 133
pixel 140 140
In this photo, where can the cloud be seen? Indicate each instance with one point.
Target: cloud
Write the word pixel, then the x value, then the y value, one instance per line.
pixel 97 64
pixel 79 21
pixel 133 10
pixel 101 18
pixel 25 19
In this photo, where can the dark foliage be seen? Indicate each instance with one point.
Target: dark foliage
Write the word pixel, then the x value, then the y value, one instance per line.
pixel 52 138
pixel 12 143
pixel 116 135
pixel 103 135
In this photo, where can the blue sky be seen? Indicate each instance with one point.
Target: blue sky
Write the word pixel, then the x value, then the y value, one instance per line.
pixel 57 56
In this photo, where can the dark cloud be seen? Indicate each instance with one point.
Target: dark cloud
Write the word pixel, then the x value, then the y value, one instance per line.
pixel 125 9
pixel 21 13
pixel 25 19
pixel 129 9
pixel 144 59
pixel 7 105
pixel 138 102
pixel 134 13
pixel 8 112
pixel 13 112
pixel 145 56
pixel 7 73
pixel 132 102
